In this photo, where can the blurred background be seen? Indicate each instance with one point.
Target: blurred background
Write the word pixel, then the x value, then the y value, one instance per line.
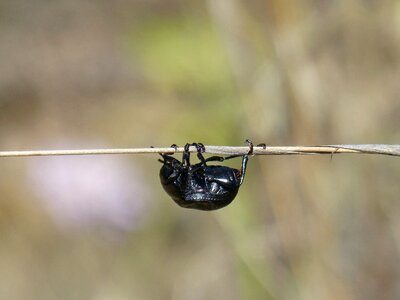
pixel 92 74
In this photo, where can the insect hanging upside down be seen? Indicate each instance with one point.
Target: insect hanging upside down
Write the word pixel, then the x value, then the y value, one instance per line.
pixel 202 186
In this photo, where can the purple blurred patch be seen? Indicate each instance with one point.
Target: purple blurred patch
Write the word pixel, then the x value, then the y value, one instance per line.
pixel 91 192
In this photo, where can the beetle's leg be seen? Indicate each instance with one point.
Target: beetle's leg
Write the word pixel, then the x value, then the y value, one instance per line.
pixel 169 153
pixel 160 160
pixel 163 155
pixel 243 169
pixel 245 160
pixel 212 158
pixel 262 145
pixel 186 155
pixel 200 149
pixel 251 146
pixel 221 158
pixel 175 146
pixel 215 158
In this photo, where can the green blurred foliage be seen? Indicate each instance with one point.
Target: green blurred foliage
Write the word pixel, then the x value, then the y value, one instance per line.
pixel 184 57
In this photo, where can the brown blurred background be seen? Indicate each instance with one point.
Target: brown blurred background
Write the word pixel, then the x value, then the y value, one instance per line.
pixel 80 74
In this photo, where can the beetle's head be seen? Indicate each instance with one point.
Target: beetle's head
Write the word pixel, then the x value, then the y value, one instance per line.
pixel 169 160
pixel 171 168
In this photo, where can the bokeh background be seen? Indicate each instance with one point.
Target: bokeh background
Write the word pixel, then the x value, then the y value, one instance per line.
pixel 90 74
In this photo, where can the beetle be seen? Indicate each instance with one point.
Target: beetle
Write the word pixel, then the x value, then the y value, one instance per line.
pixel 202 186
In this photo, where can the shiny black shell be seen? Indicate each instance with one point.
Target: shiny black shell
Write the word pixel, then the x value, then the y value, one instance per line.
pixel 199 186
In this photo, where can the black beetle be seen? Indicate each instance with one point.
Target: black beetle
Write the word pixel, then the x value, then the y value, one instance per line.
pixel 201 186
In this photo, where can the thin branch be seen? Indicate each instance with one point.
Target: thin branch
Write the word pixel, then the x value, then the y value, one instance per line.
pixel 225 150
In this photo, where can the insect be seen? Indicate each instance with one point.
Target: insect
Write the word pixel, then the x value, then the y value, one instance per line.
pixel 202 186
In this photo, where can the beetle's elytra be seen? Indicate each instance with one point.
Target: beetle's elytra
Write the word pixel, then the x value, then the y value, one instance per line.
pixel 201 186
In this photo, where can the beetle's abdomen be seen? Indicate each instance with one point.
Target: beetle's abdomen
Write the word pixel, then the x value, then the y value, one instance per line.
pixel 205 201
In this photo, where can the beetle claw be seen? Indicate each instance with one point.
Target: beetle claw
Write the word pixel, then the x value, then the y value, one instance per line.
pixel 200 148
pixel 173 146
pixel 251 146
